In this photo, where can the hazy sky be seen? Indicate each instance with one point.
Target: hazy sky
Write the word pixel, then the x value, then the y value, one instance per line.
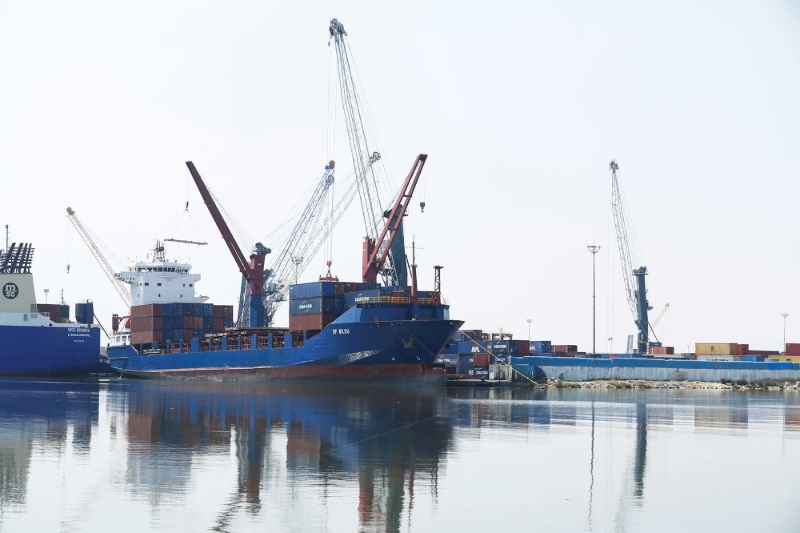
pixel 520 106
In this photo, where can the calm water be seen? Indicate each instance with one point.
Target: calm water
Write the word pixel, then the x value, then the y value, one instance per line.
pixel 137 456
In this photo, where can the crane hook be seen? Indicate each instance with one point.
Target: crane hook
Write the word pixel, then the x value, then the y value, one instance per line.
pixel 422 206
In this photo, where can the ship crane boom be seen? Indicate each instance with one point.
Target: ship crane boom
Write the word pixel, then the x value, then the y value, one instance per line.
pixel 119 285
pixel 302 244
pixel 364 160
pixel 253 271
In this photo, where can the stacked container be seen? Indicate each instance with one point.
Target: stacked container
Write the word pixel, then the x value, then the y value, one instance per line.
pixel 175 322
pixel 84 312
pixel 716 348
pixel 312 306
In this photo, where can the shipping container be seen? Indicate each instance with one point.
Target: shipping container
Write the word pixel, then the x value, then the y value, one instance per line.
pixel 469 348
pixel 188 322
pixel 197 322
pixel 763 352
pixel 662 350
pixel 563 348
pixel 537 347
pixel 50 310
pixel 177 335
pixel 167 309
pixel 197 333
pixel 481 372
pixel 451 348
pixel 315 306
pixel 524 347
pixel 792 348
pixel 228 322
pixel 197 309
pixel 465 364
pixel 316 289
pixel 208 323
pixel 716 348
pixel 148 336
pixel 310 322
pixel 219 323
pixel 140 311
pixel 744 349
pixel 178 309
pixel 208 310
pixel 481 359
pixel 147 323
pixel 187 335
pixel 447 359
pixel 367 286
pixel 753 358
pixel 168 322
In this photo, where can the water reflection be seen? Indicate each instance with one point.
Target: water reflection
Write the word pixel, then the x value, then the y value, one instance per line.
pixel 41 414
pixel 237 457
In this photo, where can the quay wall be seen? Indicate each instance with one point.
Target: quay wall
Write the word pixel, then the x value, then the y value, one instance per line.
pixel 588 369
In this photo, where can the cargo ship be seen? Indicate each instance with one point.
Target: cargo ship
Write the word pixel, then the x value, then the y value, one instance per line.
pixel 39 340
pixel 338 332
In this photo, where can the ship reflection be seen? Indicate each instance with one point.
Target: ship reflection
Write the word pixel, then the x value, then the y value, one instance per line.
pixel 384 440
pixel 41 413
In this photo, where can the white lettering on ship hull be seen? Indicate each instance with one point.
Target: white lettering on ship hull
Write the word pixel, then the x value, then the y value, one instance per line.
pixel 340 331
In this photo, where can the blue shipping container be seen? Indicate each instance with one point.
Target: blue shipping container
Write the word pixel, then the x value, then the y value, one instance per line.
pixel 368 286
pixel 481 372
pixel 197 309
pixel 458 337
pixel 315 306
pixel 228 322
pixel 316 289
pixel 540 347
pixel 208 323
pixel 469 348
pixel 167 309
pixel 178 309
pixel 177 335
pixel 208 310
pixel 168 322
pixel 354 298
pixel 451 348
pixel 197 333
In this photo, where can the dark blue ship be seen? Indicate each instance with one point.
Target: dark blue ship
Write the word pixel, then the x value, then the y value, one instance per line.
pixel 34 341
pixel 373 341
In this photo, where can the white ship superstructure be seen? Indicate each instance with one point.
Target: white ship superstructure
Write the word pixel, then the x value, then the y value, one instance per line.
pixel 161 281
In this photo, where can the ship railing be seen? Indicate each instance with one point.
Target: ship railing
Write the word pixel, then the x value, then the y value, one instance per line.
pixel 396 300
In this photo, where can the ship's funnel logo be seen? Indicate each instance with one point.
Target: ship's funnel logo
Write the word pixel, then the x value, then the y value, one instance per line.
pixel 10 290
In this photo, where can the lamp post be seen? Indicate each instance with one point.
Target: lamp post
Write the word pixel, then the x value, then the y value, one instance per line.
pixel 529 320
pixel 594 249
pixel 784 315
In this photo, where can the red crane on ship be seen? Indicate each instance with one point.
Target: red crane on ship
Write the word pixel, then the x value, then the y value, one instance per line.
pixel 252 270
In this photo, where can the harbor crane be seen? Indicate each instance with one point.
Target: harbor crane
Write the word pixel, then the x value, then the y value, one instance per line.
pixel 304 241
pixel 635 289
pixel 119 285
pixel 253 271
pixel 393 270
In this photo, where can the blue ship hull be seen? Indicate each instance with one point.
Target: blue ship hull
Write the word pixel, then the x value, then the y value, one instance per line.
pixel 392 350
pixel 49 351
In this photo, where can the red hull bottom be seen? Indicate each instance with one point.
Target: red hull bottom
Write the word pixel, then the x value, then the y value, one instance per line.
pixel 394 373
